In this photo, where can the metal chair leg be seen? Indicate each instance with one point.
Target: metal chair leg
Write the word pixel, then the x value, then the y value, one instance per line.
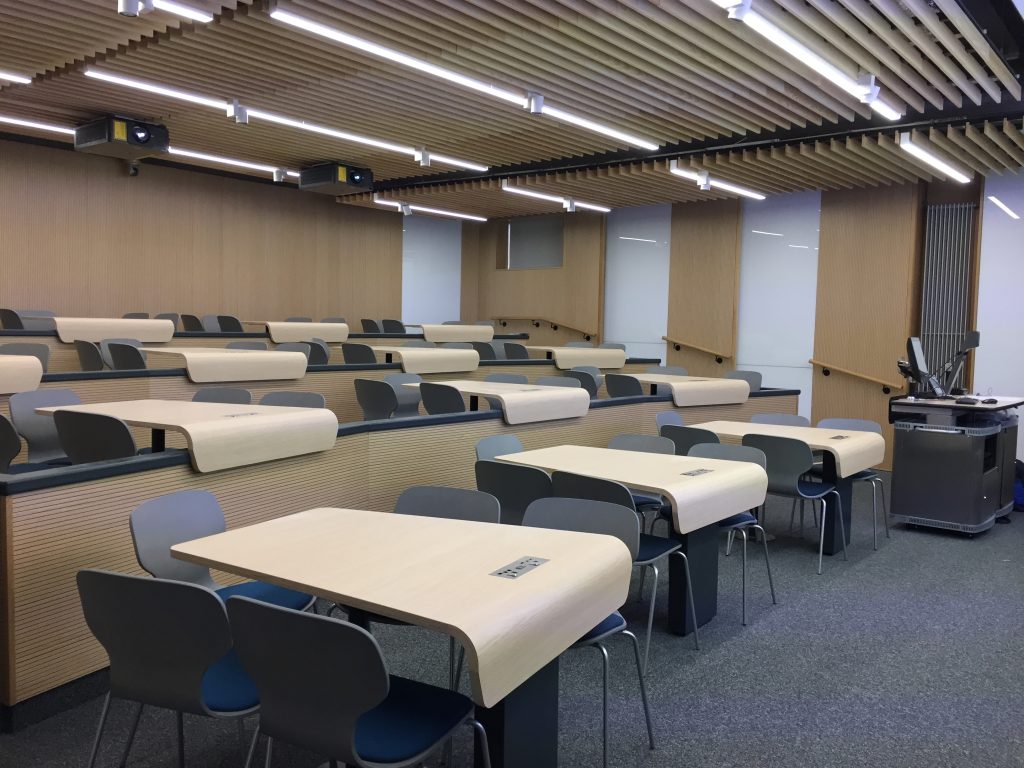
pixel 689 598
pixel 640 671
pixel 270 752
pixel 643 580
pixel 604 718
pixel 131 736
pixel 839 522
pixel 743 533
pixel 885 510
pixel 821 545
pixel 252 748
pixel 458 666
pixel 728 542
pixel 792 516
pixel 181 739
pixel 874 516
pixel 485 749
pixel 767 562
pixel 650 613
pixel 99 731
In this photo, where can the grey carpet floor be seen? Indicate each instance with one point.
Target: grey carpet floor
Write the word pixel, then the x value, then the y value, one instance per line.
pixel 909 656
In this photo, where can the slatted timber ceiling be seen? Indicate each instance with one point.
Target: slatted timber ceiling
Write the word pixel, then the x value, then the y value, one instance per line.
pixel 674 71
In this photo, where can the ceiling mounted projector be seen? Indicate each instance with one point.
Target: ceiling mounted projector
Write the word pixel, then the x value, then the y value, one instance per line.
pixel 335 179
pixel 121 137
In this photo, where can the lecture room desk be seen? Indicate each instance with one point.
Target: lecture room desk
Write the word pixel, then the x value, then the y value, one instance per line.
pixel 702 492
pixel 697 390
pixel 570 357
pixel 444 575
pixel 844 453
pixel 524 403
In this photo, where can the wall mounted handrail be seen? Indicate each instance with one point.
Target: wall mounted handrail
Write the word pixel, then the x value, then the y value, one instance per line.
pixel 857 375
pixel 688 345
pixel 553 323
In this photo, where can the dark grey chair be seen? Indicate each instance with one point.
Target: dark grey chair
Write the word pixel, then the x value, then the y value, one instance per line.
pixel 89 356
pixel 392 326
pixel 441 398
pixel 319 352
pixel 230 324
pixel 781 419
pixel 358 354
pixel 647 444
pixel 865 475
pixel 323 686
pixel 235 395
pixel 10 320
pixel 377 399
pixel 169 646
pixel 753 378
pixel 172 316
pixel 515 351
pixel 611 345
pixel 516 486
pixel 298 319
pixel 39 429
pixel 558 381
pixel 620 385
pixel 87 437
pixel 408 397
pixel 37 319
pixel 419 343
pixel 370 326
pixel 669 419
pixel 40 351
pixel 158 524
pixel 484 349
pixel 487 448
pixel 499 349
pixel 257 346
pixel 294 346
pixel 126 357
pixel 578 344
pixel 335 319
pixel 10 444
pixel 456 345
pixel 108 358
pixel 586 380
pixel 191 323
pixel 594 371
pixel 136 315
pixel 564 514
pixel 687 437
pixel 294 399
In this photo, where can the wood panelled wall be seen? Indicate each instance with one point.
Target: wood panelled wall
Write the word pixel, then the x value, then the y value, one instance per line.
pixel 82 238
pixel 571 296
pixel 703 294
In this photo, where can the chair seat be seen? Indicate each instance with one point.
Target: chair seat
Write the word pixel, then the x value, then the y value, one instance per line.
pixel 641 499
pixel 810 489
pixel 267 593
pixel 864 474
pixel 741 520
pixel 654 548
pixel 227 688
pixel 413 718
pixel 609 626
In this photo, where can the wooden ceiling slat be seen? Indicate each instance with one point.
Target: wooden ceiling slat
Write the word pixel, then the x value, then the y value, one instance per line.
pixel 980 44
pixel 991 148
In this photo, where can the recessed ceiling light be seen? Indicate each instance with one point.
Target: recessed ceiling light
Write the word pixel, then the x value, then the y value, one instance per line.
pixel 162 90
pixel 35 125
pixel 424 209
pixel 567 203
pixel 182 10
pixel 11 77
pixel 218 159
pixel 1002 206
pixel 702 178
pixel 946 169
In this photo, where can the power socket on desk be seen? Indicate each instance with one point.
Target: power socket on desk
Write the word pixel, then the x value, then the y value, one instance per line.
pixel 519 567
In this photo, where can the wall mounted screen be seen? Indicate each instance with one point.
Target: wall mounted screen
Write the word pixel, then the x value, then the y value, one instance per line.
pixel 535 242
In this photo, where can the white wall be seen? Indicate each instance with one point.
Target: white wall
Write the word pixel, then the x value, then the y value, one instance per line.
pixel 431 269
pixel 778 288
pixel 999 361
pixel 636 279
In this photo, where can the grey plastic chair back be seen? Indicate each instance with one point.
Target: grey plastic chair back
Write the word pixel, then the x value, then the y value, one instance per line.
pixel 259 346
pixel 294 346
pixel 787 460
pixel 449 503
pixel 37 319
pixel 586 380
pixel 499 349
pixel 10 443
pixel 487 448
pixel 369 326
pixel 335 319
pixel 516 351
pixel 161 636
pixel 668 370
pixel 408 397
pixel 136 315
pixel 457 345
pixel 192 323
pixel 40 351
pixel 298 319
pixel 230 324
pixel 89 356
pixel 172 316
pixel 235 395
pixel 753 378
pixel 358 354
pixel 392 326
pixel 612 345
pixel 573 486
pixel 687 437
pixel 39 429
pixel 484 349
pixel 316 676
pixel 669 419
pixel 377 398
pixel 781 419
pixel 558 381
pixel 108 358
pixel 158 524
pixel 319 352
pixel 294 399
pixel 578 344
pixel 854 425
pixel 86 437
pixel 211 324
pixel 441 398
pixel 419 344
pixel 515 486
pixel 507 378
pixel 126 357
pixel 587 516
pixel 10 320
pixel 729 452
pixel 620 385
pixel 643 444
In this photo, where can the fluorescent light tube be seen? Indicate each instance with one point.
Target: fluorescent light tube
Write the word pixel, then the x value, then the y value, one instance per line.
pixel 591 206
pixel 929 158
pixel 444 159
pixel 804 247
pixel 302 125
pixel 1003 207
pixel 530 193
pixel 638 239
pixel 725 186
pixel 13 78
pixel 424 209
pixel 222 160
pixel 182 10
pixel 35 125
pixel 590 125
pixel 161 90
pixel 762 232
pixel 885 110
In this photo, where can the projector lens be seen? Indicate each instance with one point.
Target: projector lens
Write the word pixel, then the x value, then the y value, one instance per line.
pixel 140 133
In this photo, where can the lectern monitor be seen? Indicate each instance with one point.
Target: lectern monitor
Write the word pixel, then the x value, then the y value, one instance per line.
pixel 928 383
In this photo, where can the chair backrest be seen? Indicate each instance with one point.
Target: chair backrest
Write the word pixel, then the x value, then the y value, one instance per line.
pixel 161 636
pixel 298 319
pixel 192 323
pixel 158 524
pixel 515 351
pixel 687 437
pixel 586 516
pixel 612 345
pixel 558 381
pixel 729 452
pixel 136 315
pixel 669 418
pixel 230 324
pixel 515 486
pixel 37 319
pixel 126 357
pixel 294 346
pixel 620 385
pixel 753 378
pixel 335 319
pixel 316 676
pixel 575 486
pixel 643 444
pixel 441 398
pixel 485 350
pixel 781 419
pixel 586 380
pixel 419 344
pixel 260 346
pixel 377 399
pixel 40 351
pixel 11 320
pixel 172 316
pixel 392 326
pixel 10 443
pixel 211 324
pixel 578 344
pixel 854 425
pixel 507 378
pixel 668 370
pixel 787 460
pixel 449 503
pixel 108 358
pixel 235 395
pixel 319 352
pixel 369 326
pixel 408 397
pixel 358 354
pixel 294 399
pixel 86 437
pixel 89 356
pixel 497 445
pixel 39 429
pixel 457 345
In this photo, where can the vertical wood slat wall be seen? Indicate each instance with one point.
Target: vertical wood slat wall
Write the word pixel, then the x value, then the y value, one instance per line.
pixel 82 238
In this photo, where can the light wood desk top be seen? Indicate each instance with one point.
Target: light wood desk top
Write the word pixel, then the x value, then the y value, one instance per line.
pixel 433 359
pixel 697 390
pixel 1001 403
pixel 466 333
pixel 525 403
pixel 698 500
pixel 96 329
pixel 214 364
pixel 853 451
pixel 332 333
pixel 436 573
pixel 223 435
pixel 569 357
pixel 19 373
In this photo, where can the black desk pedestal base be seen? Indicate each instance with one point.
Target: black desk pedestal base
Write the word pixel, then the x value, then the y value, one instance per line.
pixel 158 441
pixel 701 549
pixel 844 485
pixel 522 728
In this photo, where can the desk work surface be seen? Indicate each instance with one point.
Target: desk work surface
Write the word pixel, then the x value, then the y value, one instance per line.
pixel 433 359
pixel 332 333
pixel 96 329
pixel 697 390
pixel 19 373
pixel 853 451
pixel 570 357
pixel 223 435
pixel 525 403
pixel 206 365
pixel 464 333
pixel 439 574
pixel 702 491
pixel 1002 403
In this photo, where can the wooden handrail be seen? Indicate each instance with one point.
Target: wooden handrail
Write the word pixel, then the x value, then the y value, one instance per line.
pixel 855 374
pixel 688 345
pixel 535 319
